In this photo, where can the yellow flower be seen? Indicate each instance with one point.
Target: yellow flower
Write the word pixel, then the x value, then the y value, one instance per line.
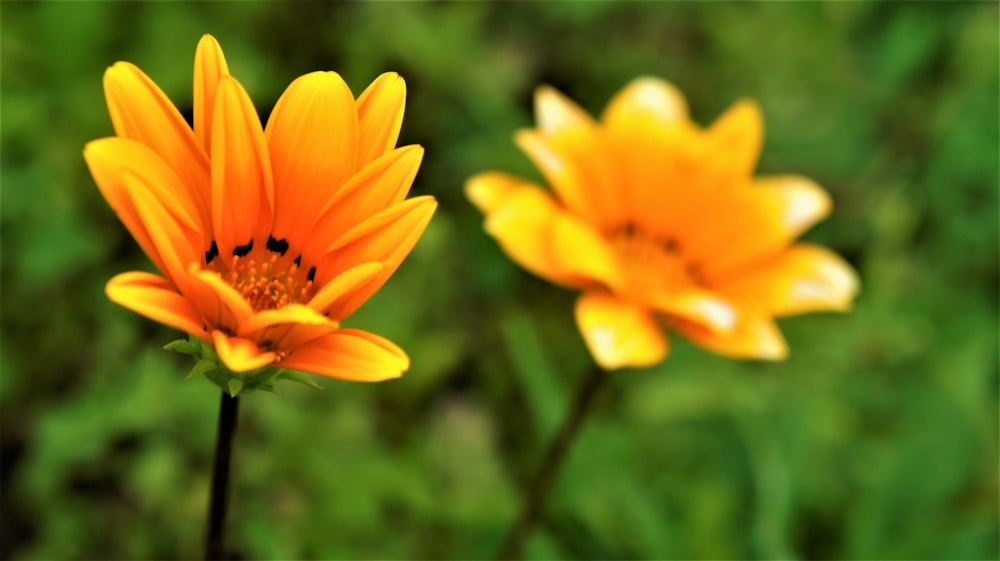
pixel 661 224
pixel 266 238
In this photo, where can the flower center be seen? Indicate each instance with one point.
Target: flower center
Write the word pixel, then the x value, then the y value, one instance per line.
pixel 267 279
pixel 651 262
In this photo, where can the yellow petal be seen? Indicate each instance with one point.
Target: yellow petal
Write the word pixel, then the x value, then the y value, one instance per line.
pixel 171 244
pixel 806 278
pixel 557 114
pixel 380 116
pixel 551 243
pixel 328 298
pixel 755 336
pixel 312 136
pixel 242 190
pixel 490 190
pixel 141 111
pixel 209 68
pixel 737 136
pixel 350 355
pixel 157 299
pixel 375 188
pixel 618 333
pixel 759 222
pixel 238 354
pixel 293 313
pixel 646 101
pixel 699 306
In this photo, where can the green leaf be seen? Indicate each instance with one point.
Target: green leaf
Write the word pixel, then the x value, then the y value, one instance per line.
pixel 182 346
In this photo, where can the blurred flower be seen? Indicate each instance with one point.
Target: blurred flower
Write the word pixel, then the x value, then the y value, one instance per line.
pixel 266 238
pixel 661 224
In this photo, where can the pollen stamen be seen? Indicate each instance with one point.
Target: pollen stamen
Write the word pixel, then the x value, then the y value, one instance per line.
pixel 266 279
pixel 653 262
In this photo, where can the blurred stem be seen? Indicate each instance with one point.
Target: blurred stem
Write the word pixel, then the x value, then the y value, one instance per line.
pixel 554 458
pixel 214 548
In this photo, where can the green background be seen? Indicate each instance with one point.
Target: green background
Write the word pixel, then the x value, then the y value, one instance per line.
pixel 877 439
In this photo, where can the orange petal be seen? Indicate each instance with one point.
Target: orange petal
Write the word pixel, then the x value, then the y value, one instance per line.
pixel 209 68
pixel 170 243
pixel 551 243
pixel 242 191
pixel 109 159
pixel 312 136
pixel 238 354
pixel 618 333
pixel 157 299
pixel 342 286
pixel 378 186
pixel 141 111
pixel 556 113
pixel 760 221
pixel 235 309
pixel 380 116
pixel 349 354
pixel 646 101
pixel 806 278
pixel 738 135
pixel 755 336
pixel 294 313
pixel 386 237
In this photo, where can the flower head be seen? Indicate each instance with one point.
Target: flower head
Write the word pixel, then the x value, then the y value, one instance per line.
pixel 662 224
pixel 266 238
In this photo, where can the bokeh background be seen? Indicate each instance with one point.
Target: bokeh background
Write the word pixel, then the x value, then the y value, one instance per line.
pixel 877 439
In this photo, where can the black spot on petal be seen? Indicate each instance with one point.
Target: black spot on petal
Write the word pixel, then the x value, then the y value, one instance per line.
pixel 312 274
pixel 298 261
pixel 212 253
pixel 277 246
pixel 243 250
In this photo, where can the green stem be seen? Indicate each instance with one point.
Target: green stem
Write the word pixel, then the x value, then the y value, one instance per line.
pixel 554 458
pixel 214 548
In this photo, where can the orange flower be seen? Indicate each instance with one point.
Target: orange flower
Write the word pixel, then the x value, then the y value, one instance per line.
pixel 661 224
pixel 266 238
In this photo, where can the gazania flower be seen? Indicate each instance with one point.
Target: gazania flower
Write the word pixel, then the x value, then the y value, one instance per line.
pixel 265 238
pixel 661 224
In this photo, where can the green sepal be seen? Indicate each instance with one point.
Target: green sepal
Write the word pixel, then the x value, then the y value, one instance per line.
pixel 201 367
pixel 235 385
pixel 182 346
pixel 300 377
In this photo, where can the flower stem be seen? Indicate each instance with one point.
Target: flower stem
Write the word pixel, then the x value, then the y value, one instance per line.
pixel 554 458
pixel 228 410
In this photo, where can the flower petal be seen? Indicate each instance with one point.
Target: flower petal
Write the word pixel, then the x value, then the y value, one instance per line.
pixel 490 190
pixel 209 68
pixel 312 135
pixel 342 286
pixel 618 333
pixel 293 313
pixel 556 113
pixel 349 354
pixel 806 278
pixel 242 189
pixel 156 298
pixel 755 336
pixel 219 301
pixel 699 306
pixel 386 237
pixel 762 220
pixel 738 136
pixel 238 354
pixel 141 111
pixel 380 116
pixel 646 101
pixel 375 188
pixel 550 242
pixel 109 159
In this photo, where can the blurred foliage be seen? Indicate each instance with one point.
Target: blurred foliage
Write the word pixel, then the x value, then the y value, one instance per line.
pixel 876 440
